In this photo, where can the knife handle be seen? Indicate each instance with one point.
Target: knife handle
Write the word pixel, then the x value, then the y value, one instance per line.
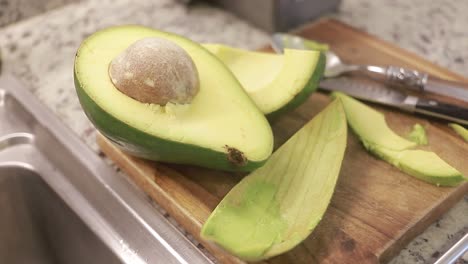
pixel 445 111
pixel 423 82
pixel 412 79
pixel 456 90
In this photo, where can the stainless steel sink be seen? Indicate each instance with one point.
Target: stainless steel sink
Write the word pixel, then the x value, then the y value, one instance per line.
pixel 61 203
pixel 38 227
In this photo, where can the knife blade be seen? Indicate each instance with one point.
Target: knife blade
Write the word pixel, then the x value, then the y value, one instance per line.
pixel 379 93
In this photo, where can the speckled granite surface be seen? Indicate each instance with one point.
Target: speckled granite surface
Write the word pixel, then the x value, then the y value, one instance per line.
pixel 40 52
pixel 435 30
pixel 16 10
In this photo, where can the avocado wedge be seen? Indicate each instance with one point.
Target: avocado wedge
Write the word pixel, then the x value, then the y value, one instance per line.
pixel 220 128
pixel 379 139
pixel 276 82
pixel 277 206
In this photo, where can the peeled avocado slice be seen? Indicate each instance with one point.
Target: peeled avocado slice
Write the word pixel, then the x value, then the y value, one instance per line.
pixel 463 132
pixel 378 138
pixel 220 128
pixel 277 206
pixel 424 165
pixel 418 135
pixel 371 127
pixel 275 82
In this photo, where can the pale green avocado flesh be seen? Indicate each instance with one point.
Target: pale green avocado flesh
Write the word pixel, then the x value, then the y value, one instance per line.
pixel 220 128
pixel 277 206
pixel 463 132
pixel 314 45
pixel 379 139
pixel 371 127
pixel 418 135
pixel 308 44
pixel 424 165
pixel 275 82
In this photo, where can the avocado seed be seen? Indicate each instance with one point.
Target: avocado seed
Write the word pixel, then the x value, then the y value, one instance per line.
pixel 155 70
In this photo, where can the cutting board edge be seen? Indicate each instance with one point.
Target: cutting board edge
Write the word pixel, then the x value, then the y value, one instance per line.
pixel 406 235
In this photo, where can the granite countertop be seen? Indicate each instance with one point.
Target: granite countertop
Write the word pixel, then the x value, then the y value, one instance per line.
pixel 40 52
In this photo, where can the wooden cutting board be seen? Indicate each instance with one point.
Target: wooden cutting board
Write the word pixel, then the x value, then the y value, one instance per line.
pixel 375 210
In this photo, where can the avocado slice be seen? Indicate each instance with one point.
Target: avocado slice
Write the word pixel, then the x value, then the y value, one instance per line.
pixel 424 165
pixel 379 139
pixel 418 135
pixel 220 128
pixel 463 132
pixel 370 126
pixel 277 206
pixel 276 82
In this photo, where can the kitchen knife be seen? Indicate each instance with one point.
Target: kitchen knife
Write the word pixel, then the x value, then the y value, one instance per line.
pixel 406 78
pixel 379 93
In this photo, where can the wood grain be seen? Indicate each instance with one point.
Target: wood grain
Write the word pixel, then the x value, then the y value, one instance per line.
pixel 375 210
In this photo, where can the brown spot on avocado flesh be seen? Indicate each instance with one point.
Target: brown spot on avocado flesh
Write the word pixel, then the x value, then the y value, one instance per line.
pixel 235 156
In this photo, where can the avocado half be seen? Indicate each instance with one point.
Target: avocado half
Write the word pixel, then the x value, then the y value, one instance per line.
pixel 379 139
pixel 276 82
pixel 221 128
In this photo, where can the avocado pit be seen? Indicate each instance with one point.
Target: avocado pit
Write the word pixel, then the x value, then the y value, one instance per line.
pixel 155 70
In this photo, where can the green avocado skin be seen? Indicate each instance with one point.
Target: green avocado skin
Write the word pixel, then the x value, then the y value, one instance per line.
pixel 141 144
pixel 302 96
